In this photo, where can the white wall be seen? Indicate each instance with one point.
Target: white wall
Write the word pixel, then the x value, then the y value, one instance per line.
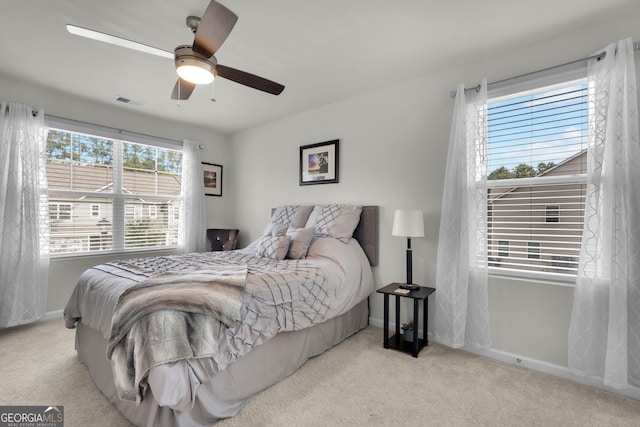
pixel 383 138
pixel 393 153
pixel 64 273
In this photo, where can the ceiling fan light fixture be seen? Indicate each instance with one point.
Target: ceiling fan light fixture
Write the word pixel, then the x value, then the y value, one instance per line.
pixel 195 73
pixel 193 67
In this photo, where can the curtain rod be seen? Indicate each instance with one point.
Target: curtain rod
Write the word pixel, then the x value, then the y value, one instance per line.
pixel 34 113
pixel 600 56
pixel 120 131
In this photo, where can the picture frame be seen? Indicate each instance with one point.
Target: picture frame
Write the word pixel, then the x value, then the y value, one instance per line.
pixel 319 163
pixel 212 179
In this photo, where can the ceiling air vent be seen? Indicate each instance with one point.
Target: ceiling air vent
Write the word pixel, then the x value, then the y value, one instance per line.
pixel 129 101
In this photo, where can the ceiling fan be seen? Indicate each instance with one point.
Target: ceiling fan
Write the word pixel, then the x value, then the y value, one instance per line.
pixel 195 64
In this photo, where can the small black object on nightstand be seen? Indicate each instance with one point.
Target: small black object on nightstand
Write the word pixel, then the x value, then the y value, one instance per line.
pixel 396 341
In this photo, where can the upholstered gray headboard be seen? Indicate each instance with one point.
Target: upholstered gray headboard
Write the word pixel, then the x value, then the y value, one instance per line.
pixel 366 233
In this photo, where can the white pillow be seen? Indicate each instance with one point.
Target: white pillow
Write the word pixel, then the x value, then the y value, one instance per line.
pixel 274 247
pixel 294 215
pixel 338 221
pixel 274 229
pixel 300 241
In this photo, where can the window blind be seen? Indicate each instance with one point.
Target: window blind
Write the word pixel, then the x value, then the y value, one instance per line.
pixel 537 158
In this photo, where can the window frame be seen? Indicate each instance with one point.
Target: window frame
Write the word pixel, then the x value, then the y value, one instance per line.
pixel 543 81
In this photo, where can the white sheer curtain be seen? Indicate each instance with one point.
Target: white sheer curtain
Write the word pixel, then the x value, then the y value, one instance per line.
pixel 24 221
pixel 604 334
pixel 462 309
pixel 192 230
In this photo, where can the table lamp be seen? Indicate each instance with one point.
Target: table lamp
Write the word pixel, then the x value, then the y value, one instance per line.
pixel 408 223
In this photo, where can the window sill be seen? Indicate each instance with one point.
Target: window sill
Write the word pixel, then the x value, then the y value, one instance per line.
pixel 555 279
pixel 128 253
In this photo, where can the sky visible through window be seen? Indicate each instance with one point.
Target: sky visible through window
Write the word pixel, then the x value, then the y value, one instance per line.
pixel 528 134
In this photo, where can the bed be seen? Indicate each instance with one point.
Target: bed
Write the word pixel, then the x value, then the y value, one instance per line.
pixel 145 337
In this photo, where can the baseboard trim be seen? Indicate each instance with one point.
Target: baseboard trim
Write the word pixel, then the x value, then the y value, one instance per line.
pixel 50 315
pixel 535 365
pixel 551 369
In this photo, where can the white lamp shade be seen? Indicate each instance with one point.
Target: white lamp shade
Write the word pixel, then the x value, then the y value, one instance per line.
pixel 408 223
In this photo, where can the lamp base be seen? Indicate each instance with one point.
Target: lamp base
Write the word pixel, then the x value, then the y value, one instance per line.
pixel 409 286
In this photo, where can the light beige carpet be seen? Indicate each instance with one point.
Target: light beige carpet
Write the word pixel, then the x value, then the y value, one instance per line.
pixel 357 383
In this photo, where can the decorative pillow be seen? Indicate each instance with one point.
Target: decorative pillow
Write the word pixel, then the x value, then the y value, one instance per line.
pixel 294 215
pixel 300 241
pixel 274 247
pixel 337 221
pixel 274 229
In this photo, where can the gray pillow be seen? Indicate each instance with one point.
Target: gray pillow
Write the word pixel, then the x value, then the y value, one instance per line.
pixel 337 221
pixel 274 247
pixel 300 241
pixel 274 229
pixel 294 215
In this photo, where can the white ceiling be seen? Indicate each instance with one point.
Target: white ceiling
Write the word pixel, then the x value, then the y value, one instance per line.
pixel 322 51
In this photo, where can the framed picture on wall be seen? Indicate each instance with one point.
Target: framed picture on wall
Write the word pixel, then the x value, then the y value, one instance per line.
pixel 212 175
pixel 319 163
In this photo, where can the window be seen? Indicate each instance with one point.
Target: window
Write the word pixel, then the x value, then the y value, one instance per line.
pixel 533 250
pixel 503 248
pixel 552 213
pixel 536 154
pixel 59 212
pixel 107 183
pixel 130 213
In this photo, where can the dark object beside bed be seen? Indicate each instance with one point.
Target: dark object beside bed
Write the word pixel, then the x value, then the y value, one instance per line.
pixel 222 239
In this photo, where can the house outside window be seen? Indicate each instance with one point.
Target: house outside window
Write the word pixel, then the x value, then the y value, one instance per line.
pixel 536 150
pixel 100 178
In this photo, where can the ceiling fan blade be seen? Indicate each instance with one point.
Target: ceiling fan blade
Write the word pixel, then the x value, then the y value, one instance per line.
pixel 182 88
pixel 118 41
pixel 249 79
pixel 213 29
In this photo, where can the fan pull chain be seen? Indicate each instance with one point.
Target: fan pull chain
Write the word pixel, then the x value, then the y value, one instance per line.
pixel 178 103
pixel 213 98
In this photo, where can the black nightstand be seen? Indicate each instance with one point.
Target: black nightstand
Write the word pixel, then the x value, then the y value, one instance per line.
pixel 396 341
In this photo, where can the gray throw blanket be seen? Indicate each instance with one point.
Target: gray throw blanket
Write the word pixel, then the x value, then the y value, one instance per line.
pixel 169 317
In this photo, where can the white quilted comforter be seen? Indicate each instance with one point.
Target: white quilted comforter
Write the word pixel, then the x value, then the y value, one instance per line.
pixel 279 295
